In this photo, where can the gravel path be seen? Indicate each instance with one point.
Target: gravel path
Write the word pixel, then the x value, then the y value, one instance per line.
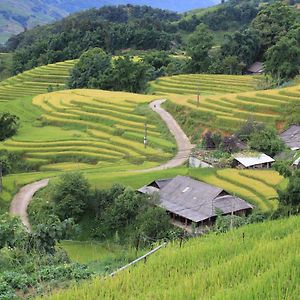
pixel 183 143
pixel 22 199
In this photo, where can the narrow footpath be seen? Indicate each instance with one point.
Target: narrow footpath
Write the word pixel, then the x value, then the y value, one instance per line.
pixel 22 199
pixel 18 206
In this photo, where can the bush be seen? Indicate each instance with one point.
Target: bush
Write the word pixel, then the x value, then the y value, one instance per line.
pixel 71 195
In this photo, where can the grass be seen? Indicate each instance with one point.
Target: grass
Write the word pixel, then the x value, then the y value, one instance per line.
pixel 228 111
pixel 259 187
pixel 205 84
pixel 225 266
pixel 36 81
pixel 89 127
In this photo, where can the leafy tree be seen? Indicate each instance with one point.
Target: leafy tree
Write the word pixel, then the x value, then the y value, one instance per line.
pixel 9 125
pixel 92 70
pixel 273 22
pixel 199 45
pixel 71 195
pixel 154 223
pixel 128 75
pixel 283 59
pixel 249 127
pixel 290 198
pixel 283 168
pixel 266 141
pixel 243 45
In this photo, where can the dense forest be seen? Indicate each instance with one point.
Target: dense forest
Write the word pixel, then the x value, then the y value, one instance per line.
pixel 246 36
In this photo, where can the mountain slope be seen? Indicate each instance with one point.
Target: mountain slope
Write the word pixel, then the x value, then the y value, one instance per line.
pixel 16 16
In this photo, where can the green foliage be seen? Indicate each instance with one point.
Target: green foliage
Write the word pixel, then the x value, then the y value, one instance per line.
pixel 273 22
pixel 283 59
pixel 248 128
pixel 70 196
pixel 92 70
pixel 110 28
pixel 96 69
pixel 243 45
pixel 9 125
pixel 199 45
pixel 128 75
pixel 290 197
pixel 266 141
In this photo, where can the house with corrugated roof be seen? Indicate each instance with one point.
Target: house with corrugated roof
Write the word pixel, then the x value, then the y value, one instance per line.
pixel 256 68
pixel 252 160
pixel 291 137
pixel 191 201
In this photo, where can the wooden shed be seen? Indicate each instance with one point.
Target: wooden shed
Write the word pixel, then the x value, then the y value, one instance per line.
pixel 252 161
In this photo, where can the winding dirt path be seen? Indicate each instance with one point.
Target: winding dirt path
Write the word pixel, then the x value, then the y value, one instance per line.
pixel 18 206
pixel 184 145
pixel 22 199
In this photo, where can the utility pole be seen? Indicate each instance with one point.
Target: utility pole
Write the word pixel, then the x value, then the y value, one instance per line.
pixel 146 135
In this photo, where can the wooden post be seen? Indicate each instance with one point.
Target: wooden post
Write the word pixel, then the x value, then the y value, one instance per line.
pixel 146 136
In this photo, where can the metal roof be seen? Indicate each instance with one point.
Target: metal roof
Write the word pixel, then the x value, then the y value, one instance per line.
pixel 253 160
pixel 291 137
pixel 256 67
pixel 196 200
pixel 296 162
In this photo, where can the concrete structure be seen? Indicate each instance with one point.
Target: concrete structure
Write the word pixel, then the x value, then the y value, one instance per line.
pixel 252 161
pixel 191 201
pixel 296 163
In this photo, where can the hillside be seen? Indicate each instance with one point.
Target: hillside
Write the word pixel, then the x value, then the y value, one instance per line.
pixel 16 16
pixel 242 264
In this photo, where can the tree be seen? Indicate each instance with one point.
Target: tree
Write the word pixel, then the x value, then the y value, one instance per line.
pixel 92 70
pixel 266 141
pixel 71 195
pixel 290 198
pixel 283 59
pixel 247 128
pixel 199 45
pixel 154 223
pixel 128 75
pixel 273 22
pixel 9 125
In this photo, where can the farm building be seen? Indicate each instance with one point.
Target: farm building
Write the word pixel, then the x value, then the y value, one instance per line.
pixel 256 68
pixel 188 200
pixel 291 137
pixel 252 161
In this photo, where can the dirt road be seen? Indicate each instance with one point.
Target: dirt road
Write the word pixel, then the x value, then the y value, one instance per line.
pixel 22 199
pixel 183 143
pixel 24 196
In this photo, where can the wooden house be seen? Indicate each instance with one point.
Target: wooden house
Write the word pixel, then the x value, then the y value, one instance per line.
pixel 191 201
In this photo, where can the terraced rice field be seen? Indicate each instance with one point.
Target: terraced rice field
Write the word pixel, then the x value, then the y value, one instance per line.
pixel 262 265
pixel 112 125
pixel 205 84
pixel 36 81
pixel 256 186
pixel 228 111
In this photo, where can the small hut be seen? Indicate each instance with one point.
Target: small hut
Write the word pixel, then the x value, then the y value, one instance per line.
pixel 252 161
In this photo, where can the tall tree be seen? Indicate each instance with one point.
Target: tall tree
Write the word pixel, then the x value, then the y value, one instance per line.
pixel 9 125
pixel 92 70
pixel 283 59
pixel 199 45
pixel 273 22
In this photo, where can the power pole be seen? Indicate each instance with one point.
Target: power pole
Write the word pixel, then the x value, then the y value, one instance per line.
pixel 146 135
